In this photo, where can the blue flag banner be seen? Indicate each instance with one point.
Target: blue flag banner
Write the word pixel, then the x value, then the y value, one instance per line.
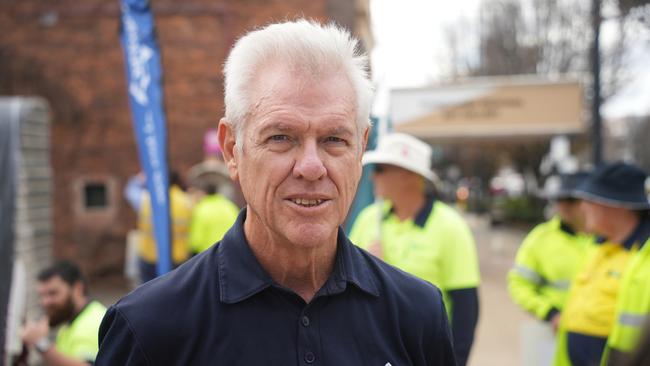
pixel 365 191
pixel 144 78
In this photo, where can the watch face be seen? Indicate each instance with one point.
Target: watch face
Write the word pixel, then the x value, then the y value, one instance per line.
pixel 43 344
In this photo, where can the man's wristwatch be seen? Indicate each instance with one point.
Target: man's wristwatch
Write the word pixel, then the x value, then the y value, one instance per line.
pixel 43 344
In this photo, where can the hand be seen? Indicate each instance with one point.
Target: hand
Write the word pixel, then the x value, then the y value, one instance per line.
pixel 376 249
pixel 33 331
pixel 555 322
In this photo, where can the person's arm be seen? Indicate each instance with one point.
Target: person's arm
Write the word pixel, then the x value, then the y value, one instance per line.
pixel 524 281
pixel 465 311
pixel 118 344
pixel 53 357
pixel 442 347
pixel 133 191
pixel 35 336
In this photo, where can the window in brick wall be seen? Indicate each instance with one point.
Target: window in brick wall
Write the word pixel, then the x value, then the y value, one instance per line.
pixel 95 196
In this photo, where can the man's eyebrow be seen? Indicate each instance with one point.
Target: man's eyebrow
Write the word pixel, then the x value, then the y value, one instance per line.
pixel 340 130
pixel 276 126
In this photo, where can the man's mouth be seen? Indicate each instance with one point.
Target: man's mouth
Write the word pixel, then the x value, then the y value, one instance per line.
pixel 307 202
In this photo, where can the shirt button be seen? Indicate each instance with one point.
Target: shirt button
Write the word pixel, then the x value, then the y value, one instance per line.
pixel 309 357
pixel 305 321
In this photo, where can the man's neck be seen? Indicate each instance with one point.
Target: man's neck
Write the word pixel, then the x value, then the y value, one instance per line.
pixel 408 205
pixel 623 228
pixel 303 270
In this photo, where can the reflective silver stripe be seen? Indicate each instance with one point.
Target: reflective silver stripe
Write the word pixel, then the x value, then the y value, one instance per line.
pixel 529 274
pixel 632 320
pixel 560 284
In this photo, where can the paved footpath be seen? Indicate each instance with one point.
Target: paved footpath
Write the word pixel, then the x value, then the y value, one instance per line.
pixel 498 340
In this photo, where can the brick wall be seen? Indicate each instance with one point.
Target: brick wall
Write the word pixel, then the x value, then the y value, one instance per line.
pixel 69 53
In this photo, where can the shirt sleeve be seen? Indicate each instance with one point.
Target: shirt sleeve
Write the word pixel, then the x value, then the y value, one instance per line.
pixel 460 265
pixel 441 349
pixel 118 344
pixel 524 280
pixel 464 319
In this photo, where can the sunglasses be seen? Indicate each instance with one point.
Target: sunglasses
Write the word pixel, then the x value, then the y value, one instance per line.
pixel 379 168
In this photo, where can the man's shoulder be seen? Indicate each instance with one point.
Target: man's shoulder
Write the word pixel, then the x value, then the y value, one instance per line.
pixel 188 286
pixel 400 286
pixel 447 215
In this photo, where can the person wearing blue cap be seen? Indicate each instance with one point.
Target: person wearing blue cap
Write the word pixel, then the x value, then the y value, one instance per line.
pixel 546 263
pixel 616 207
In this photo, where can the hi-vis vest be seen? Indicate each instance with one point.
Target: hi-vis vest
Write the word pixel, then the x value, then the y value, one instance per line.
pixel 546 263
pixel 633 304
pixel 181 212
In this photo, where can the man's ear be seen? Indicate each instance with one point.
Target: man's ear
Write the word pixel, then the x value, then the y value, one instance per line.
pixel 364 140
pixel 227 141
pixel 79 289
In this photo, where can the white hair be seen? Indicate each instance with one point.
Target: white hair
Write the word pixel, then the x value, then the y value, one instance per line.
pixel 302 43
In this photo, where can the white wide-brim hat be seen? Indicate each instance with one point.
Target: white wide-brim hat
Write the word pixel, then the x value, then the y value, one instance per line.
pixel 404 151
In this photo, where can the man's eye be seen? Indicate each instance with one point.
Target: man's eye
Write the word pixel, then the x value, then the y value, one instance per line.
pixel 279 138
pixel 335 139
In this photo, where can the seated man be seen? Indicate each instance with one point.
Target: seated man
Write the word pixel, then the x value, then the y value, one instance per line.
pixel 63 294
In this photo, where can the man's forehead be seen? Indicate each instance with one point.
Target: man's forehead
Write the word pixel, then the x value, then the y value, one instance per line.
pixel 52 282
pixel 280 79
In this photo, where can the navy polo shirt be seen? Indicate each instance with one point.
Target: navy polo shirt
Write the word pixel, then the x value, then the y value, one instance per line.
pixel 222 308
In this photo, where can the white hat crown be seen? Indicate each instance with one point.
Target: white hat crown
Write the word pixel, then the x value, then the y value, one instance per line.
pixel 404 151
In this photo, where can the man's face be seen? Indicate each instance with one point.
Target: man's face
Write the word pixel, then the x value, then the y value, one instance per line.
pixel 570 212
pixel 596 217
pixel 391 180
pixel 301 157
pixel 56 298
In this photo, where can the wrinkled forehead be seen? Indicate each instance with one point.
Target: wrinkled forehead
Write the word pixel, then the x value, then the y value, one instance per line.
pixel 291 79
pixel 327 91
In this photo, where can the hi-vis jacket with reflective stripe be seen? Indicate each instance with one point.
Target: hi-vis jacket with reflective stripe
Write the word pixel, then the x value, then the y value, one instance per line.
pixel 546 262
pixel 633 304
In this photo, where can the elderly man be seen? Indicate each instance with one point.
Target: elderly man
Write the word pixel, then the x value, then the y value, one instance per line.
pixel 285 286
pixel 62 293
pixel 615 206
pixel 419 234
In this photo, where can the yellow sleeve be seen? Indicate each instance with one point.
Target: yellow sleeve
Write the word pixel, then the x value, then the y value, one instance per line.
pixel 524 279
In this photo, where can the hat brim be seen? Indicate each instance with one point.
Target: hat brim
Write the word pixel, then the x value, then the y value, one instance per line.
pixel 378 157
pixel 591 197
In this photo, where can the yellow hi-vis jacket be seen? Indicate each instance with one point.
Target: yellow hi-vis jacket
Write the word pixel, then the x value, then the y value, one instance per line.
pixel 440 249
pixel 590 306
pixel 633 307
pixel 211 219
pixel 181 211
pixel 546 263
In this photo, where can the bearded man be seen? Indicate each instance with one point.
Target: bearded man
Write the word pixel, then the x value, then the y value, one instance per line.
pixel 63 295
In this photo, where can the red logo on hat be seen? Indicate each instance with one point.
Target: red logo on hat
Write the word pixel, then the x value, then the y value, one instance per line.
pixel 405 151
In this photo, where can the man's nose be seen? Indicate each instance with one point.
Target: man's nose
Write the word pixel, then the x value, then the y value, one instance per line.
pixel 309 164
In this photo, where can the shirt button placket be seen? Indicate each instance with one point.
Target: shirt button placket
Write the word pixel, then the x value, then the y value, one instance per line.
pixel 305 321
pixel 310 357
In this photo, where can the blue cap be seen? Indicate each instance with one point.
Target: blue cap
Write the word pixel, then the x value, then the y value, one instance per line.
pixel 617 185
pixel 567 186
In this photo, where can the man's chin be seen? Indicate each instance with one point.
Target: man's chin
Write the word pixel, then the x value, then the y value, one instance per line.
pixel 310 235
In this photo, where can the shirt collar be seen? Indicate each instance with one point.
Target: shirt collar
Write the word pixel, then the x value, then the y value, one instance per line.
pixel 422 215
pixel 640 234
pixel 566 228
pixel 241 275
